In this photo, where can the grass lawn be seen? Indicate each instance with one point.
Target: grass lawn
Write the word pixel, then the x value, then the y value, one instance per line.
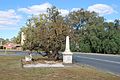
pixel 10 69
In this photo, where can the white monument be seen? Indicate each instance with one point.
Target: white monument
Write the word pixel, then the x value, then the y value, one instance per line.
pixel 67 54
pixel 22 38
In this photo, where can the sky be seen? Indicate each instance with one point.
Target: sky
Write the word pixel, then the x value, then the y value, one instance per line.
pixel 14 13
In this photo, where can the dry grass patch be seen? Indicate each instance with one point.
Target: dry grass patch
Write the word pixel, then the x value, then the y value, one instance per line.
pixel 10 69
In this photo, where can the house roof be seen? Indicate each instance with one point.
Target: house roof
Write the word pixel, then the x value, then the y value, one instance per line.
pixel 10 45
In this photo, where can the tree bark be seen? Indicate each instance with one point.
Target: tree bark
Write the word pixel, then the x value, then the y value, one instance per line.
pixel 54 55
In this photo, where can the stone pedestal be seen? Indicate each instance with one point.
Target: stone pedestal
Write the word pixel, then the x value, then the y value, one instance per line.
pixel 67 57
pixel 67 54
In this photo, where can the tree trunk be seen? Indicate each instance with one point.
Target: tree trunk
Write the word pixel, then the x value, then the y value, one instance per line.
pixel 54 55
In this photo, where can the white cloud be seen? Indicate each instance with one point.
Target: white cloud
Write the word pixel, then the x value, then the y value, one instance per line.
pixel 9 17
pixel 75 9
pixel 101 9
pixel 9 14
pixel 109 20
pixel 63 12
pixel 8 22
pixel 40 9
pixel 7 28
pixel 36 9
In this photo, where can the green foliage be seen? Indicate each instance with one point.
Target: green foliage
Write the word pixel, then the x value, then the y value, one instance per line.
pixel 87 30
pixel 4 41
pixel 46 32
pixel 94 34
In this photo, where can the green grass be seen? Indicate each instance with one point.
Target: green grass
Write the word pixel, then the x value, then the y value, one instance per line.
pixel 10 69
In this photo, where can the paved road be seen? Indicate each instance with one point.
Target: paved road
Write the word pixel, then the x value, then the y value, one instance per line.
pixel 15 53
pixel 108 63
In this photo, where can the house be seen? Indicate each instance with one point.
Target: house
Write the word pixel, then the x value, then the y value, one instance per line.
pixel 11 46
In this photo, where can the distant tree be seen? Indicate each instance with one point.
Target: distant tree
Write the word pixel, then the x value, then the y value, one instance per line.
pixel 16 39
pixel 30 36
pixel 117 24
pixel 86 25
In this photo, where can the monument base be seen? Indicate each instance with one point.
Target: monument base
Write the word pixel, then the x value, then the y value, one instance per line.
pixel 67 57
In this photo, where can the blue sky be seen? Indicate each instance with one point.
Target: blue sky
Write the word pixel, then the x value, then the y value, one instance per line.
pixel 14 13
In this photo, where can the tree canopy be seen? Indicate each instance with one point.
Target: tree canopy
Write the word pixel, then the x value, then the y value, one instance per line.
pixel 88 32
